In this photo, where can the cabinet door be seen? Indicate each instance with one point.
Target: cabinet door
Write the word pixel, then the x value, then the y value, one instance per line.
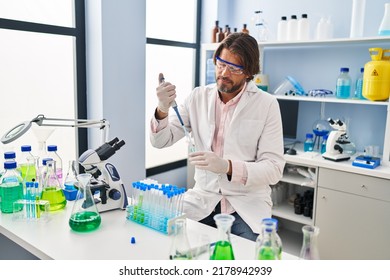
pixel 352 226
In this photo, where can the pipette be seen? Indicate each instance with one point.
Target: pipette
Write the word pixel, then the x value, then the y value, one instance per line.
pixel 174 106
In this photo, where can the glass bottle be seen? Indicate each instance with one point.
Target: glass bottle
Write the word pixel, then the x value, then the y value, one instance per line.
pixel 52 190
pixel 245 29
pixel 273 223
pixel 69 184
pixel 308 146
pixel 85 216
pixel 343 84
pixel 11 188
pixel 29 170
pixel 223 249
pixel 180 248
pixel 220 35
pixel 359 85
pixel 214 32
pixel 384 28
pixel 309 250
pixel 52 153
pixel 22 160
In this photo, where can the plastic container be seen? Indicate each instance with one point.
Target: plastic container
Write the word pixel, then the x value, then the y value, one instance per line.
pixel 289 86
pixel 357 18
pixel 303 28
pixel 282 29
pixel 292 28
pixel 343 84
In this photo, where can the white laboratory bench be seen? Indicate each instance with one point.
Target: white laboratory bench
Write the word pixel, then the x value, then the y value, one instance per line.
pixel 54 239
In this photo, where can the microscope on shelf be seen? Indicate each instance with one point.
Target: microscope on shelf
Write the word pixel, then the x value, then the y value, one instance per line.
pixel 337 140
pixel 105 178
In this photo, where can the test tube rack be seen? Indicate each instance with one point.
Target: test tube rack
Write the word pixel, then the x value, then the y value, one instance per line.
pixel 155 206
pixel 31 210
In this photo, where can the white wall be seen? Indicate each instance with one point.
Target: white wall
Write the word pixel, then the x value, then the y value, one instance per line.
pixel 115 35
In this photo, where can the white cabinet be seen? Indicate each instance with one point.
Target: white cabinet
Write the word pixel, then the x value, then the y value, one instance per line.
pixel 353 216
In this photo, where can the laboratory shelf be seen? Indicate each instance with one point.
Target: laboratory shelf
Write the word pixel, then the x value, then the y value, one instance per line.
pixel 332 100
pixel 291 241
pixel 297 179
pixel 286 211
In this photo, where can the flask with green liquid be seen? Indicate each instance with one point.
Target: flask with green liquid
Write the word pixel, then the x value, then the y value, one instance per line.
pixel 52 190
pixel 11 188
pixel 85 216
pixel 223 249
pixel 272 222
pixel 266 246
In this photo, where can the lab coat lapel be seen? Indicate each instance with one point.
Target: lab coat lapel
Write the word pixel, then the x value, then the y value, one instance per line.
pixel 211 117
pixel 245 99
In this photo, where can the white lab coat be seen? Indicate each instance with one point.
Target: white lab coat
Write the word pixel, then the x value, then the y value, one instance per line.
pixel 254 136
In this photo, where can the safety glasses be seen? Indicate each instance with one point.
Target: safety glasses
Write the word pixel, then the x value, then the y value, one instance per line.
pixel 233 68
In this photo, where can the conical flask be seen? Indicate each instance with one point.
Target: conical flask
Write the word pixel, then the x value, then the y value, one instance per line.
pixel 52 190
pixel 85 216
pixel 223 249
pixel 309 249
pixel 180 249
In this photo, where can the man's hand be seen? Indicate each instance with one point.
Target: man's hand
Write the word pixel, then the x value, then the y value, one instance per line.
pixel 209 161
pixel 166 94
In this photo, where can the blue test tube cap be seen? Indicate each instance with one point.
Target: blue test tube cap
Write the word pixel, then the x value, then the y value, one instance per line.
pixel 9 155
pixel 132 240
pixel 52 148
pixel 25 148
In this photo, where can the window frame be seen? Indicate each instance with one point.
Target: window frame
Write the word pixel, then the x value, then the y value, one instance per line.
pixel 78 32
pixel 197 47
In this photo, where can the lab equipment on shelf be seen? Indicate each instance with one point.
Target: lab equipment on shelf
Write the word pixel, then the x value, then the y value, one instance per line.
pixel 223 250
pixel 384 28
pixel 289 86
pixel 308 145
pixel 376 77
pixel 52 152
pixel 359 85
pixel 338 146
pixel 155 205
pixel 343 84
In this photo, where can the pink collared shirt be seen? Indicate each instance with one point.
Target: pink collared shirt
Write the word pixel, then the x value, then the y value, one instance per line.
pixel 223 117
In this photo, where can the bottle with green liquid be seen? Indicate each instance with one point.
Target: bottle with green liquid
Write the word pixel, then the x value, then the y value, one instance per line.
pixel 223 249
pixel 52 190
pixel 85 216
pixel 272 222
pixel 266 246
pixel 11 188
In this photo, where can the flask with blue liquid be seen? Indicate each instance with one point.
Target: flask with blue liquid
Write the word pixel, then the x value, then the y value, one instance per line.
pixel 343 85
pixel 308 146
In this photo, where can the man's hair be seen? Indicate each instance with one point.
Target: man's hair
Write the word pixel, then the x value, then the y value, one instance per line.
pixel 245 47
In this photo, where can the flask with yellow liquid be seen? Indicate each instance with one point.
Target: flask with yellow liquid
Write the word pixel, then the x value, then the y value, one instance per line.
pixel 376 78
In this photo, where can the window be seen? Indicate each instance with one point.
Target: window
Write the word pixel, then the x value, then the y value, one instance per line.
pixel 173 48
pixel 42 71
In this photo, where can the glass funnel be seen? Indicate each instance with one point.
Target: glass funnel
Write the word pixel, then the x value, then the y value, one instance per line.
pixel 85 216
pixel 223 249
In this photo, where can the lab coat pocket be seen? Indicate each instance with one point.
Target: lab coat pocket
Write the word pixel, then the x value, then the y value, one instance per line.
pixel 250 131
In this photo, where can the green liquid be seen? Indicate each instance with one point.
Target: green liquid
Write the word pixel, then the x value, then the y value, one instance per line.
pixel 84 221
pixel 55 196
pixel 223 251
pixel 267 253
pixel 28 172
pixel 8 195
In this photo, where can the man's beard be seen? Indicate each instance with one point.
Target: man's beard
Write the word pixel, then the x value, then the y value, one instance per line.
pixel 229 87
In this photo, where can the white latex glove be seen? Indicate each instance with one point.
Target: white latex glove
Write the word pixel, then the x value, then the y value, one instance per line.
pixel 166 94
pixel 209 161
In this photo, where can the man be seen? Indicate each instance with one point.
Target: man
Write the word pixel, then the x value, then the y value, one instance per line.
pixel 238 137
